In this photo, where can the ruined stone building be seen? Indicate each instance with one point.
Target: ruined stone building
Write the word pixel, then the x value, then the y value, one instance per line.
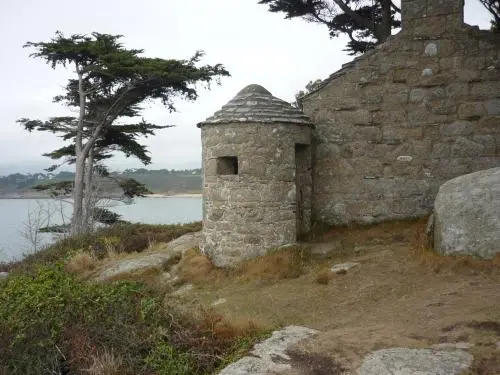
pixel 374 142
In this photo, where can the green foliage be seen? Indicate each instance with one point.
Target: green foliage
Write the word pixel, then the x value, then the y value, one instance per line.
pixel 166 360
pixel 132 188
pixel 52 323
pixel 366 22
pixel 45 314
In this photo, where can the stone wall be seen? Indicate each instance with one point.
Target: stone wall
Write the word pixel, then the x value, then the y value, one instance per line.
pixel 394 124
pixel 248 213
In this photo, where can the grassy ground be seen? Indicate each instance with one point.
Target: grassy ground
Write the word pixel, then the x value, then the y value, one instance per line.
pixel 53 322
pixel 401 294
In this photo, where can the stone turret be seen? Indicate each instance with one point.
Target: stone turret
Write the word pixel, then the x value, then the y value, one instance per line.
pixel 256 176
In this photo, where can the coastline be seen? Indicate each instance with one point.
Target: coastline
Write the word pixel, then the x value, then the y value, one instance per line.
pixel 154 195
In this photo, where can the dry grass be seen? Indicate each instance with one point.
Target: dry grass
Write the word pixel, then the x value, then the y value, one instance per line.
pixel 436 262
pixel 81 263
pixel 486 361
pixel 195 267
pixel 107 363
pixel 402 294
pixel 323 277
pixel 280 264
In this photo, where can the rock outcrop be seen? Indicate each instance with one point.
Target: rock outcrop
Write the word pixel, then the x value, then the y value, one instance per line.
pixel 467 215
pixel 270 356
pixel 404 361
pixel 150 259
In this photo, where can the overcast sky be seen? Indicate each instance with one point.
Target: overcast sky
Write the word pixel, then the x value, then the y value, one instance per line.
pixel 254 45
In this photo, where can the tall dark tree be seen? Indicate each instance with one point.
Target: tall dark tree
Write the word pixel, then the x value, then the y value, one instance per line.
pixel 110 84
pixel 366 22
pixel 493 6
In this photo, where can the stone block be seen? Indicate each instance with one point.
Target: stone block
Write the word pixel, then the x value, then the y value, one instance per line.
pixel 488 125
pixel 398 133
pixel 431 27
pixel 456 128
pixel 451 63
pixel 354 149
pixel 441 150
pixel 406 169
pixel 326 150
pixel 367 133
pixel 468 75
pixel 464 147
pixel 390 116
pixel 412 9
pixel 404 75
pixel 471 110
pixel 457 90
pixel 450 168
pixel 418 95
pixel 419 116
pixel 485 90
pixel 492 107
pixel 489 143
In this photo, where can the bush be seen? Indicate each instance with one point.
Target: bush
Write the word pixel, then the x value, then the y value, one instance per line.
pixel 52 323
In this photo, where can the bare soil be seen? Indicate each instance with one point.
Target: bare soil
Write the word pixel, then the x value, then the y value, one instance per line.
pixel 401 295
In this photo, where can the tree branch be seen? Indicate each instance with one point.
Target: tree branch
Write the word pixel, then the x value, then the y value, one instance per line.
pixel 393 6
pixel 356 17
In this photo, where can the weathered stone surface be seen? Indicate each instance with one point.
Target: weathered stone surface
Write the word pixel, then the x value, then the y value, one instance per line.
pixel 471 110
pixel 343 267
pixel 435 82
pixel 150 259
pixel 270 356
pixel 384 132
pixel 467 215
pixel 404 361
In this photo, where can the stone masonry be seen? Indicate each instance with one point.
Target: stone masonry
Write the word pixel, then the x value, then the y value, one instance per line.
pixel 397 122
pixel 256 176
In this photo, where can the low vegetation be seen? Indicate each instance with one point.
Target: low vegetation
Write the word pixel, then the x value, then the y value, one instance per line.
pixel 53 322
pixel 187 316
pixel 120 238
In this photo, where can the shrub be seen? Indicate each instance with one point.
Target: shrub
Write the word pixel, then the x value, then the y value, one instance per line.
pixel 52 323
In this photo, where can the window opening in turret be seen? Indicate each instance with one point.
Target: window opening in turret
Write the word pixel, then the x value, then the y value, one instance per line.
pixel 227 165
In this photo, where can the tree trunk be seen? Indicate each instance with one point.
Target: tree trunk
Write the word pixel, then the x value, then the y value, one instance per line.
pixel 88 201
pixel 77 219
pixel 383 29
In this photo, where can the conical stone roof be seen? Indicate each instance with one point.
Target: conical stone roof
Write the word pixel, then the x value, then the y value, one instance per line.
pixel 255 104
